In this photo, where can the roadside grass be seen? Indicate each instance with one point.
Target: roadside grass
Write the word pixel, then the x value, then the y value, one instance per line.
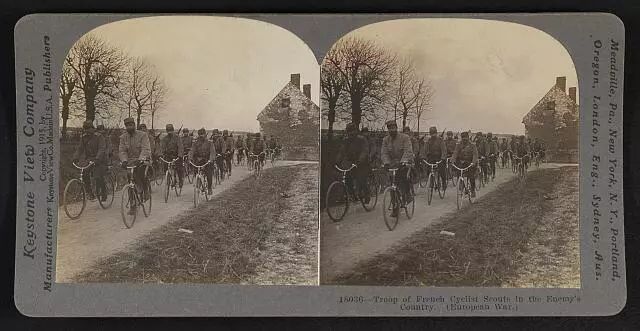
pixel 229 233
pixel 489 238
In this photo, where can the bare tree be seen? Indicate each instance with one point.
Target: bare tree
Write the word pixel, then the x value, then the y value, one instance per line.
pixel 98 67
pixel 424 91
pixel 67 88
pixel 332 86
pixel 365 69
pixel 157 91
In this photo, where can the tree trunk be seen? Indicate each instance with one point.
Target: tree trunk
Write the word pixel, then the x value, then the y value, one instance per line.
pixel 65 117
pixel 356 111
pixel 90 99
pixel 152 116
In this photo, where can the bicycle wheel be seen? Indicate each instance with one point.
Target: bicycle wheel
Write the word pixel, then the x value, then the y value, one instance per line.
pixel 441 187
pixel 188 173
pixel 110 191
pixel 176 185
pixel 127 211
pixel 337 201
pixel 159 176
pixel 390 204
pixel 410 207
pixel 146 200
pixel 74 199
pixel 216 176
pixel 423 180
pixel 460 193
pixel 167 185
pixel 151 174
pixel 196 191
pixel 430 188
pixel 373 189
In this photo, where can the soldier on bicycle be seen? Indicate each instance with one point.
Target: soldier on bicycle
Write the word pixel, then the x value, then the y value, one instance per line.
pixel 187 140
pixel 218 143
pixel 434 150
pixel 239 149
pixel 134 149
pixel 93 148
pixel 466 154
pixel 171 148
pixel 258 147
pixel 492 155
pixel 201 152
pixel 355 150
pixel 522 151
pixel 396 151
pixel 481 145
pixel 228 149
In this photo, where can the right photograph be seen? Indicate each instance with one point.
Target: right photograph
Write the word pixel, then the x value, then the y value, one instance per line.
pixel 449 157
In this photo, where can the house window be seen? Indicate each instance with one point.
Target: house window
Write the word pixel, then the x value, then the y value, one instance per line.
pixel 551 105
pixel 285 102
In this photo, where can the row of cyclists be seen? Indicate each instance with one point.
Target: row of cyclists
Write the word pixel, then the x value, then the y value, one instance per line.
pixel 403 150
pixel 140 147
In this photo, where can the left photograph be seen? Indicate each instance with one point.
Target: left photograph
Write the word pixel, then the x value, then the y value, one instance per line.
pixel 189 153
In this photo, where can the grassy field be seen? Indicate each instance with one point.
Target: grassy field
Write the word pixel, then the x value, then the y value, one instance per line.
pixel 231 237
pixel 497 240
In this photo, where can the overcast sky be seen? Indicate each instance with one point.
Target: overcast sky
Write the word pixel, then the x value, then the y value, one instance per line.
pixel 221 72
pixel 487 74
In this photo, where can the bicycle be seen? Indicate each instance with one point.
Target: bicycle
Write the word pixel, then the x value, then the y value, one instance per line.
pixel 480 173
pixel 505 157
pixel 536 158
pixel 157 171
pixel 272 157
pixel 170 181
pixel 464 186
pixel 133 197
pixel 75 192
pixel 257 165
pixel 339 196
pixel 492 172
pixel 450 174
pixel 239 157
pixel 519 164
pixel 187 170
pixel 200 186
pixel 393 201
pixel 434 181
pixel 226 164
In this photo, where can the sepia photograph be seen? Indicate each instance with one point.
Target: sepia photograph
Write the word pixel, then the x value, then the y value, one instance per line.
pixel 450 155
pixel 189 153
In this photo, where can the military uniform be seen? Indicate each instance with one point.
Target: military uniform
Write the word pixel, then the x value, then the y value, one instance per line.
pixel 93 148
pixel 463 155
pixel 171 148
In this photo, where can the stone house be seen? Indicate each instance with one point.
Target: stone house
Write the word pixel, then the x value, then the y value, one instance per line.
pixel 294 120
pixel 554 119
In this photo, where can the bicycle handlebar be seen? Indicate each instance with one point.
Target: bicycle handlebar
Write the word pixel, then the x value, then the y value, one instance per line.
pixel 346 170
pixel 432 164
pixel 91 163
pixel 169 162
pixel 200 166
pixel 463 169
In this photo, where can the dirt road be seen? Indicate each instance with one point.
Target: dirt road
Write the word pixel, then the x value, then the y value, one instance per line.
pixel 99 233
pixel 362 235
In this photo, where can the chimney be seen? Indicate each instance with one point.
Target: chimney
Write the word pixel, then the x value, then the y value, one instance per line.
pixel 306 89
pixel 572 93
pixel 561 82
pixel 295 80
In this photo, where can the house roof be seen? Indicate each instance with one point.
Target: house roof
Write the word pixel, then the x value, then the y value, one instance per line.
pixel 556 94
pixel 291 91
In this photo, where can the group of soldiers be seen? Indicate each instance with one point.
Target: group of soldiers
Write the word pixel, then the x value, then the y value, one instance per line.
pixel 140 147
pixel 402 150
